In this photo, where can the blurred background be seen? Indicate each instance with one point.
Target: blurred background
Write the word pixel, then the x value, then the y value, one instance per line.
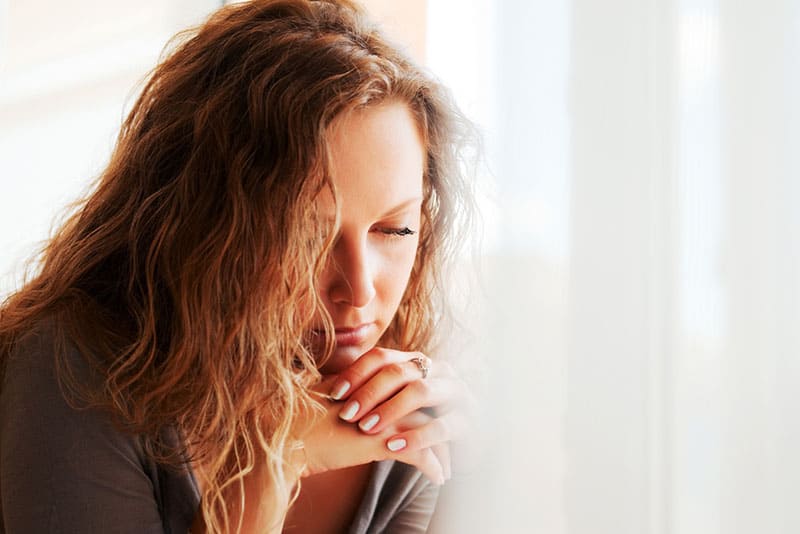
pixel 641 251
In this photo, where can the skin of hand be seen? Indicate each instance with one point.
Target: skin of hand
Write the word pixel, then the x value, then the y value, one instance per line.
pixel 330 443
pixel 385 394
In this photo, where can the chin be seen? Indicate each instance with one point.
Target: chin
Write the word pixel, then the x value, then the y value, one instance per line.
pixel 350 347
pixel 342 358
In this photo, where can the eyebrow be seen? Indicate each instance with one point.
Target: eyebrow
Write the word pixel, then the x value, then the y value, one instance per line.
pixel 402 206
pixel 395 210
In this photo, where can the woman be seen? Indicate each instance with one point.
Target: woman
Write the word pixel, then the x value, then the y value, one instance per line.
pixel 230 333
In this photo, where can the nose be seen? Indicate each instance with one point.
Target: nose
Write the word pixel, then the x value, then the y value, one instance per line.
pixel 351 280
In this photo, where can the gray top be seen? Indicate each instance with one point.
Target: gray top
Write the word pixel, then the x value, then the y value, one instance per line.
pixel 70 471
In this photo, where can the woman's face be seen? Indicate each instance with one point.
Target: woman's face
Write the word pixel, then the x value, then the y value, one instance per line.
pixel 377 166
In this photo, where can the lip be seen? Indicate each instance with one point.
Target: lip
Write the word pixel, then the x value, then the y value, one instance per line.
pixel 349 336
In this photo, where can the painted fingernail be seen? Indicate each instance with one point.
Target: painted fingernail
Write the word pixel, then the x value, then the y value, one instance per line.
pixel 349 410
pixel 396 444
pixel 339 391
pixel 369 422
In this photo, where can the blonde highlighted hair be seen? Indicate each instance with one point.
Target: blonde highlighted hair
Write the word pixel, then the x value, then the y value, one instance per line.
pixel 187 277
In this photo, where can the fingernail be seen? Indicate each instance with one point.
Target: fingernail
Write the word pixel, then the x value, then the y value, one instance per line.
pixel 369 422
pixel 441 480
pixel 339 391
pixel 396 444
pixel 349 410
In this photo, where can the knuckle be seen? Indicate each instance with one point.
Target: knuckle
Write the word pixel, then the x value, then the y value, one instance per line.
pixel 366 393
pixel 430 435
pixel 377 353
pixel 381 356
pixel 355 375
pixel 372 359
pixel 414 440
pixel 365 366
pixel 396 370
pixel 421 388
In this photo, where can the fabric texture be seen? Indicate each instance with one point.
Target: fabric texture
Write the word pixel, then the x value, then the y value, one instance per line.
pixel 64 470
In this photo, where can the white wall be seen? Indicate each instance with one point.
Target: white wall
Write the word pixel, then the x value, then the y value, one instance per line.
pixel 643 279
pixel 67 71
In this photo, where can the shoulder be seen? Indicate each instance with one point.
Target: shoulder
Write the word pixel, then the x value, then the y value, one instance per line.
pixel 32 383
pixel 33 355
pixel 62 468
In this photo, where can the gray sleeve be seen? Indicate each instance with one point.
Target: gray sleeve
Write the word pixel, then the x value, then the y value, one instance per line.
pixel 398 500
pixel 64 470
pixel 416 514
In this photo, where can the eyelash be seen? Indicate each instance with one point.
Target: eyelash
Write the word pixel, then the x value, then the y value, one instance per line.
pixel 397 232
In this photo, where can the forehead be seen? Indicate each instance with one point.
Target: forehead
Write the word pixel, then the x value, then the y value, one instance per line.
pixel 377 158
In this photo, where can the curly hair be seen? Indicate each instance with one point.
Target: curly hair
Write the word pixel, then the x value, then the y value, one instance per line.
pixel 187 276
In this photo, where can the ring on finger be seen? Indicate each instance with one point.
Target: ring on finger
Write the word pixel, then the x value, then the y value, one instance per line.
pixel 423 363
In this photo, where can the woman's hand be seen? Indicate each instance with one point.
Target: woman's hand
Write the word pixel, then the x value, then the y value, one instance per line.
pixel 329 443
pixel 384 387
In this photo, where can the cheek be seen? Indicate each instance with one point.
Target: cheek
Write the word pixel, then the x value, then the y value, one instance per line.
pixel 396 271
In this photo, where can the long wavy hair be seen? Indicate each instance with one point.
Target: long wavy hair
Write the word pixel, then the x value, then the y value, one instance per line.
pixel 187 276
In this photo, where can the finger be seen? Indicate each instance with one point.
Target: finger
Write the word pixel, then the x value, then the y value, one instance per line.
pixel 446 428
pixel 324 385
pixel 387 382
pixel 438 368
pixel 428 393
pixel 434 397
pixel 442 452
pixel 363 369
pixel 427 462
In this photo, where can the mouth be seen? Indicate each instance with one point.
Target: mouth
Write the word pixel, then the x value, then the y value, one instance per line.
pixel 348 336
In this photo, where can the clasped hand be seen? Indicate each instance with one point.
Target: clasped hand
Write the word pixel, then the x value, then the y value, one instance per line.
pixel 381 408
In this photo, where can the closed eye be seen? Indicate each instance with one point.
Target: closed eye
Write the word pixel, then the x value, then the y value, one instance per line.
pixel 401 232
